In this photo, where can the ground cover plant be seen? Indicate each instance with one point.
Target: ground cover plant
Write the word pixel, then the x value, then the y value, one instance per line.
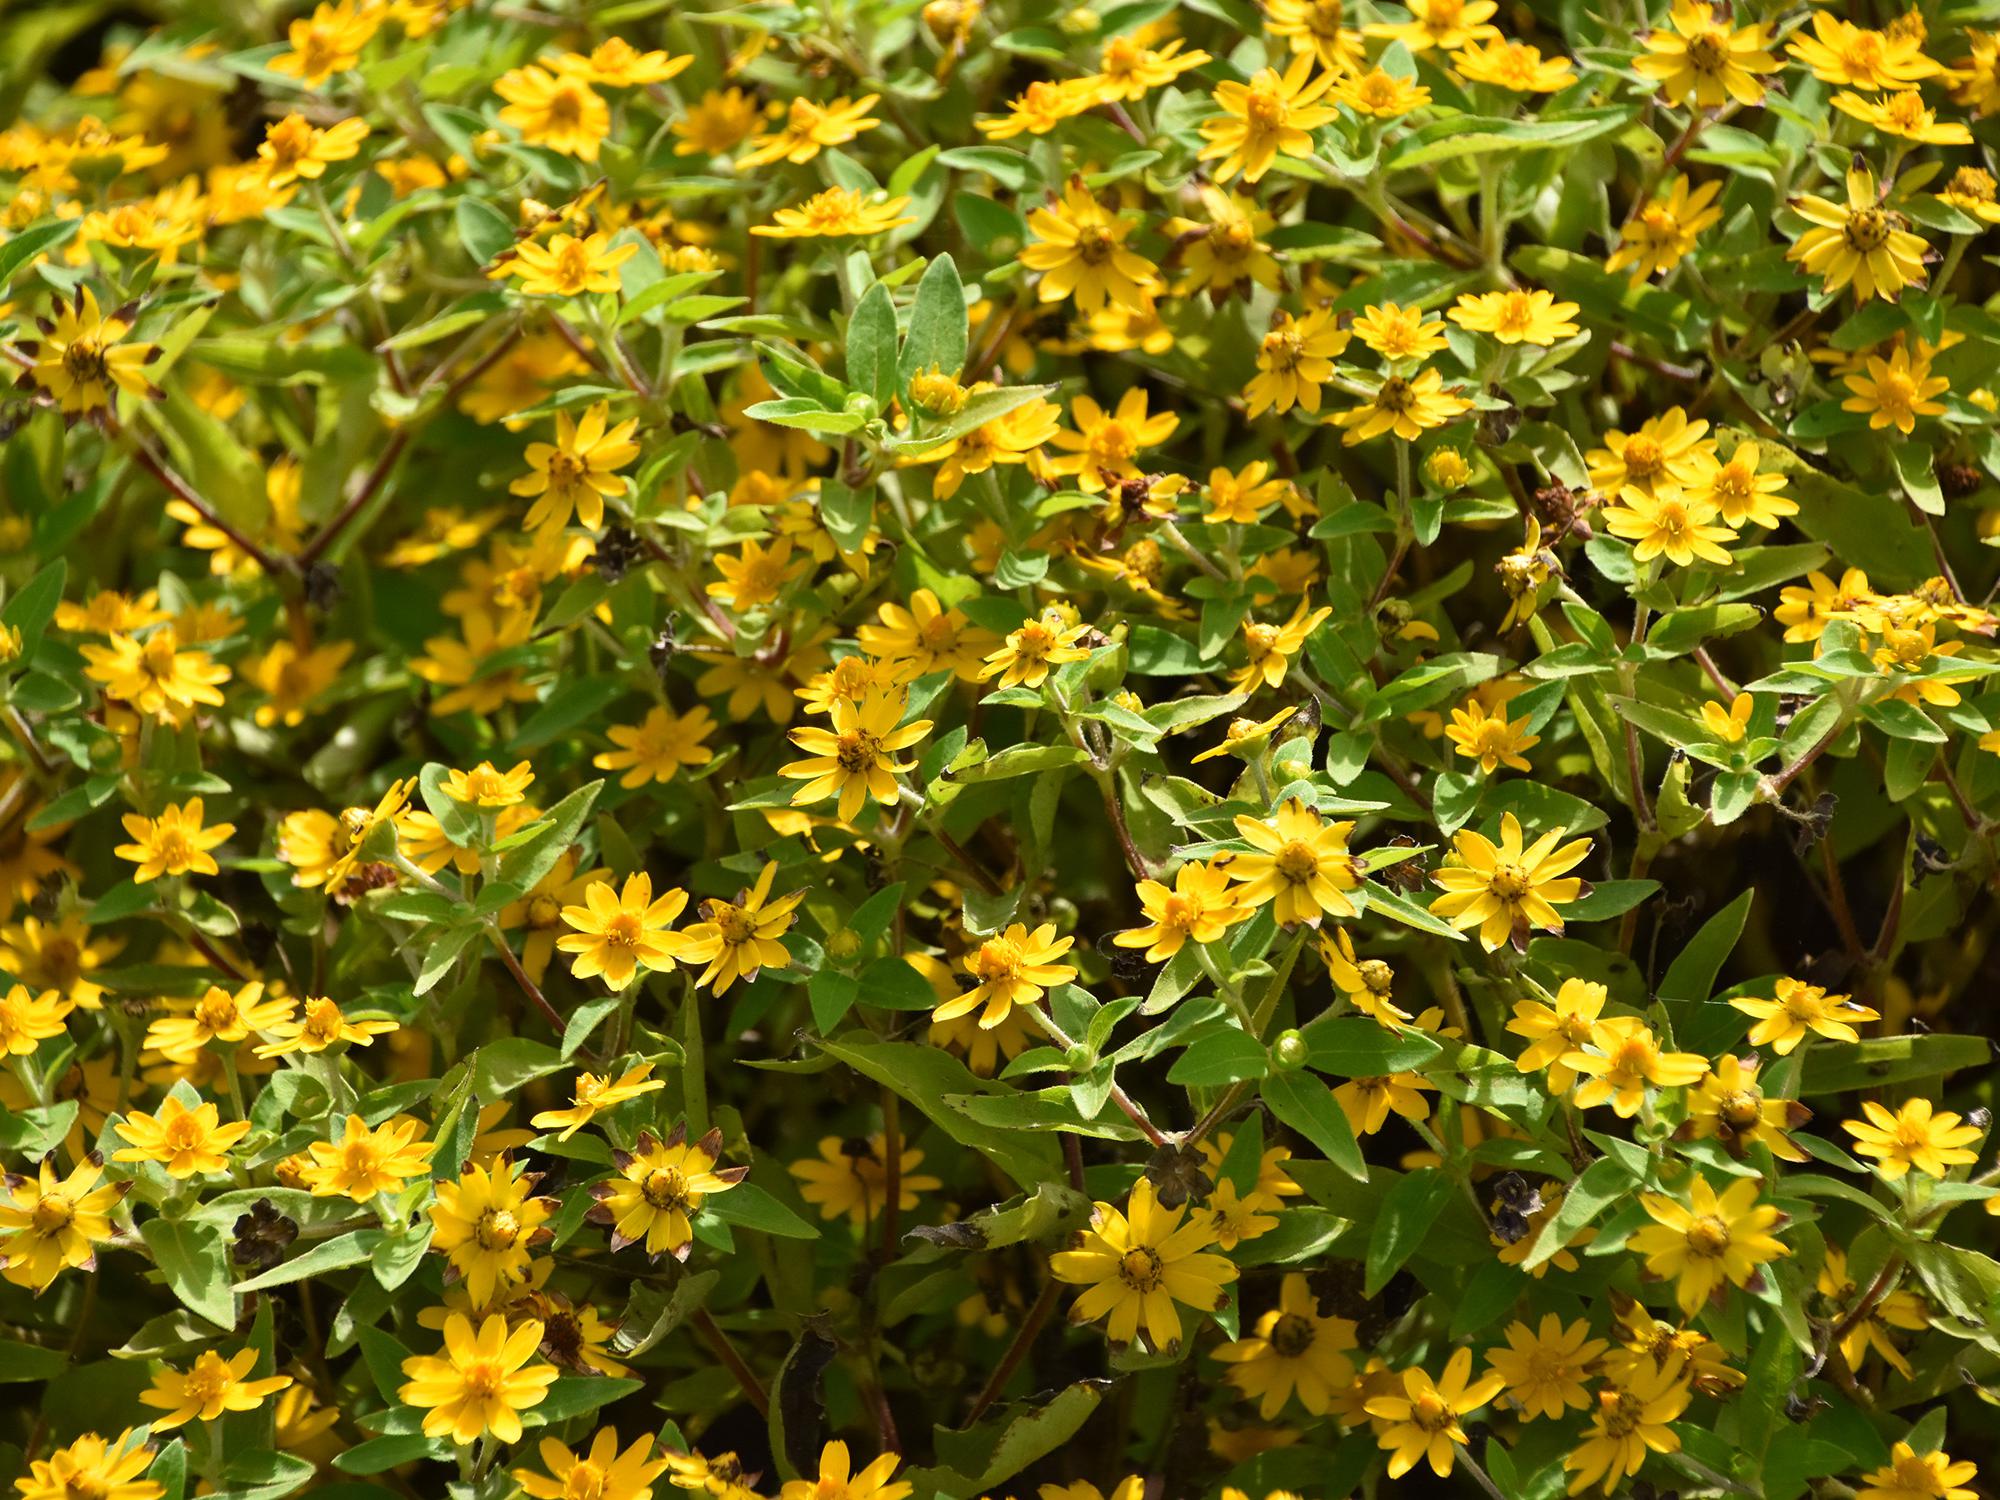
pixel 864 750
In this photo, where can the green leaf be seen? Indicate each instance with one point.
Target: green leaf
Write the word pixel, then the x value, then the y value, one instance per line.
pixel 482 229
pixel 847 512
pixel 194 1259
pixel 937 337
pixel 1601 1184
pixel 1876 1062
pixel 982 1458
pixel 524 865
pixel 336 1254
pixel 29 1362
pixel 1356 1047
pixel 36 240
pixel 1225 1054
pixel 30 607
pixel 1408 1211
pixel 871 346
pixel 750 1207
pixel 1305 1104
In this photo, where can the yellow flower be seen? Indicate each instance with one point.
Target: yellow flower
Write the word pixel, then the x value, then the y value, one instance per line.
pixel 559 110
pixel 1106 445
pixel 1273 114
pixel 851 1178
pixel 1398 333
pixel 1841 52
pixel 365 1162
pixel 322 1024
pixel 218 1016
pixel 1079 249
pixel 1490 739
pixel 1664 230
pixel 855 759
pixel 101 1468
pixel 1800 1010
pixel 616 934
pixel 1673 525
pixel 185 1141
pixel 83 356
pixel 1243 495
pixel 836 1479
pixel 1709 1241
pixel 174 843
pixel 605 1474
pixel 1026 655
pixel 1630 1420
pixel 1556 1031
pixel 1912 1136
pixel 1421 1421
pixel 1014 437
pixel 485 785
pixel 291 679
pixel 593 1094
pixel 1858 242
pixel 1513 66
pixel 1381 95
pixel 1294 360
pixel 1727 726
pixel 1739 493
pixel 328 41
pixel 27 1020
pixel 1270 648
pixel 1896 391
pixel 1198 907
pixel 48 1223
pixel 808 127
pixel 1972 190
pixel 716 123
pixel 156 677
pixel 1444 24
pixel 481 1382
pixel 1298 861
pixel 1505 890
pixel 837 212
pixel 1293 1350
pixel 1517 317
pixel 211 1387
pixel 1226 253
pixel 576 472
pixel 926 637
pixel 1129 71
pixel 293 149
pixel 1902 112
pixel 1667 453
pixel 1014 969
pixel 659 746
pixel 1544 1367
pixel 1627 1063
pixel 568 266
pixel 616 63
pixel 1910 1475
pixel 1039 108
pixel 1135 1267
pixel 1406 407
pixel 659 1188
pixel 58 955
pixel 1368 983
pixel 757 575
pixel 1703 58
pixel 740 939
pixel 487 1227
pixel 1730 1107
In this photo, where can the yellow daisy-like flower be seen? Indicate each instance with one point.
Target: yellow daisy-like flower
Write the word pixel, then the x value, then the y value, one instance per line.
pixel 208 1389
pixel 757 575
pixel 1798 1010
pixel 1269 648
pixel 568 266
pixel 174 843
pixel 155 676
pixel 1840 52
pixel 808 129
pixel 1514 66
pixel 1490 739
pixel 1420 1421
pixel 1398 333
pixel 1199 907
pixel 1896 391
pixel 322 1024
pixel 187 1142
pixel 617 64
pixel 1915 1134
pixel 218 1016
pixel 1272 115
pixel 1555 1031
pixel 365 1162
pixel 855 759
pixel 1298 862
pixel 28 1019
pixel 481 1382
pixel 1293 1350
pixel 1446 25
pixel 49 1223
pixel 593 1094
pixel 1910 1475
pixel 603 1473
pixel 1105 447
pixel 1039 108
pixel 659 747
pixel 1014 969
pixel 84 357
pixel 1675 526
pixel 1407 407
pixel 293 150
pixel 1858 243
pixel 1025 657
pixel 1079 249
pixel 740 939
pixel 1739 493
pixel 328 41
pixel 1544 1367
pixel 1662 232
pixel 1701 57
pixel 104 1468
pixel 926 637
pixel 1666 453
pixel 577 471
pixel 558 110
pixel 1517 317
pixel 1138 1268
pixel 487 1225
pixel 1708 1242
pixel 1381 95
pixel 486 786
pixel 1903 113
pixel 1294 360
pixel 1630 1420
pixel 851 1178
pixel 618 933
pixel 659 1188
pixel 1626 1063
pixel 1728 1106
pixel 835 213
pixel 837 1478
pixel 1505 890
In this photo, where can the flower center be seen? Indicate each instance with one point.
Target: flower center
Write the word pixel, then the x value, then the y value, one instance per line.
pixel 1265 108
pixel 623 930
pixel 84 360
pixel 665 1189
pixel 1395 397
pixel 1297 862
pixel 1643 457
pixel 1708 53
pixel 216 1012
pixel 1867 229
pixel 1140 1269
pixel 584 1482
pixel 1740 1112
pixel 52 1214
pixel 999 962
pixel 1508 883
pixel 1292 1335
pixel 1283 348
pixel 1708 1237
pixel 498 1229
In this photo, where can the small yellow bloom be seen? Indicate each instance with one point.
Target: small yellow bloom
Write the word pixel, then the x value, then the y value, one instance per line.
pixel 174 843
pixel 1139 1267
pixel 659 1188
pixel 1014 969
pixel 616 934
pixel 1708 1242
pixel 1914 1135
pixel 1728 725
pixel 837 213
pixel 1701 57
pixel 1421 1420
pixel 1801 1010
pixel 1505 890
pixel 481 1382
pixel 741 938
pixel 593 1094
pixel 364 1162
pixel 1517 317
pixel 1273 114
pixel 187 1142
pixel 210 1388
pixel 1859 242
pixel 293 149
pixel 558 110
pixel 1080 252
